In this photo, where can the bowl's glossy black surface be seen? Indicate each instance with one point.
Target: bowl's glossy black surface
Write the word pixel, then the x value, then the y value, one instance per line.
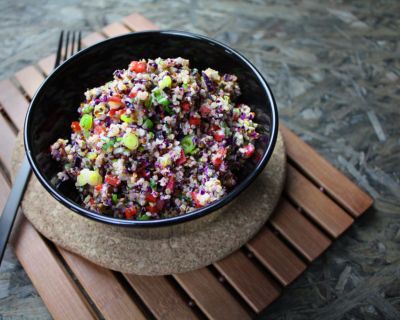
pixel 54 106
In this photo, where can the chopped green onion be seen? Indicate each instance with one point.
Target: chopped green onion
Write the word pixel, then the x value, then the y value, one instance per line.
pixel 153 184
pixel 163 101
pixel 108 144
pixel 169 110
pixel 151 135
pixel 144 217
pixel 87 108
pixel 157 92
pixel 119 139
pixel 166 82
pixel 131 141
pixel 187 144
pixel 94 178
pixel 92 155
pixel 148 102
pixel 114 198
pixel 148 124
pixel 87 176
pixel 126 118
pixel 185 86
pixel 86 122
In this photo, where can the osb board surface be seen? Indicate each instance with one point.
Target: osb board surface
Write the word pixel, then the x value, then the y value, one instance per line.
pixel 169 250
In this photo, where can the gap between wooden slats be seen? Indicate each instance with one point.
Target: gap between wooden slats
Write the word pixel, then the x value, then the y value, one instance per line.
pixel 318 206
pixel 276 256
pixel 300 232
pixel 103 288
pixel 210 295
pixel 47 64
pixel 30 79
pixel 337 185
pixel 252 284
pixel 160 297
pixel 13 102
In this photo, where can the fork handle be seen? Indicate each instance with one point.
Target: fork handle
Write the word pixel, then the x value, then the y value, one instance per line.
pixel 11 208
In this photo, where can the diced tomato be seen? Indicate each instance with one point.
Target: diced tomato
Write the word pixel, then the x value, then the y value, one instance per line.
pixel 249 150
pixel 133 94
pixel 138 66
pixel 195 200
pixel 115 102
pixel 171 183
pixel 219 136
pixel 75 126
pixel 214 128
pixel 111 180
pixel 152 209
pixel 99 129
pixel 91 201
pixel 204 110
pixel 98 187
pixel 150 197
pixel 217 161
pixel 130 212
pixel 112 112
pixel 116 99
pixel 182 159
pixel 194 121
pixel 186 106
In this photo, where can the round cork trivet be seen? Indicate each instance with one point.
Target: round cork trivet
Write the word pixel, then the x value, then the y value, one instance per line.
pixel 167 250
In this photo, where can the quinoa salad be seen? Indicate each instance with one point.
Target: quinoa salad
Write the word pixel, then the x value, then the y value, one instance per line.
pixel 159 140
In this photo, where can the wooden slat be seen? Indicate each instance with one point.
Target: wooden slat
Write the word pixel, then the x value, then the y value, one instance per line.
pixel 47 64
pixel 104 289
pixel 7 142
pixel 210 295
pixel 137 22
pixel 252 284
pixel 58 291
pixel 13 102
pixel 276 256
pixel 337 185
pixel 115 29
pixel 30 79
pixel 300 232
pixel 316 204
pixel 160 296
pixel 4 191
pixel 92 38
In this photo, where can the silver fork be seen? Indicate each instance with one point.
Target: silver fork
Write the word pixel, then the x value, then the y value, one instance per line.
pixel 7 218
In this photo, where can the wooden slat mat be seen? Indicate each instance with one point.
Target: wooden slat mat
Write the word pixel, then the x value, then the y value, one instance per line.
pixel 319 203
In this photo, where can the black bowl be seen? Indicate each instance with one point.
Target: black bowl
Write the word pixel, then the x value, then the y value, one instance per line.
pixel 54 106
